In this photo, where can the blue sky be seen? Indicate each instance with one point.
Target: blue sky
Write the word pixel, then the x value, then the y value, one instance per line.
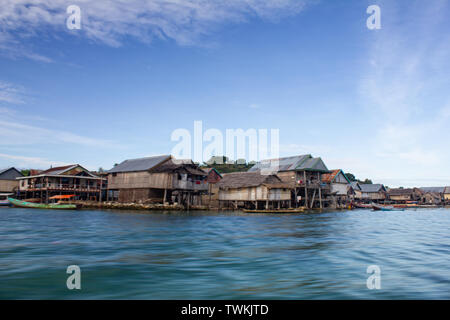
pixel 372 102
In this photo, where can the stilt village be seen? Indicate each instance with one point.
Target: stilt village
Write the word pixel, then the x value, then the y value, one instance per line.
pixel 295 183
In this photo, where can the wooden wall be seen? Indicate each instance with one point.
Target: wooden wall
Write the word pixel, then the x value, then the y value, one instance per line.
pixel 254 193
pixel 134 195
pixel 8 185
pixel 403 197
pixel 340 188
pixel 136 180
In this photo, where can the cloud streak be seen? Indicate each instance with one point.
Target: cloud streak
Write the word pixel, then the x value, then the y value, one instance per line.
pixel 110 21
pixel 30 162
pixel 11 93
pixel 14 133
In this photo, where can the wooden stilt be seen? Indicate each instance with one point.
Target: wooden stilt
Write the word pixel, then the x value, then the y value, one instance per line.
pixel 313 198
pixel 320 190
pixel 306 189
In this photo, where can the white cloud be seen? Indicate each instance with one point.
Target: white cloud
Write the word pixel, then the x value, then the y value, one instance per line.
pixel 14 133
pixel 29 162
pixel 11 93
pixel 109 21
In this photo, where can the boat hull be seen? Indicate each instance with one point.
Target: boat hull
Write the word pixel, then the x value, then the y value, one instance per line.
pixel 4 203
pixel 31 205
pixel 384 208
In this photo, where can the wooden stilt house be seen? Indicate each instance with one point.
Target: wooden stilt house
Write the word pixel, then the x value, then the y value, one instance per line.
pixel 253 190
pixel 157 179
pixel 303 174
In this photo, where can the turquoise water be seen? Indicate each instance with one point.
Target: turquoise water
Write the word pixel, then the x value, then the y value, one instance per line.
pixel 205 255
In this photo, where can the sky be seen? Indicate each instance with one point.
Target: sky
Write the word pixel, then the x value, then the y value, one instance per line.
pixel 373 102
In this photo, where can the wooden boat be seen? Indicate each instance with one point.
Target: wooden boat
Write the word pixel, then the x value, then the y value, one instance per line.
pixel 377 207
pixel 362 206
pixel 296 210
pixel 58 206
pixel 4 202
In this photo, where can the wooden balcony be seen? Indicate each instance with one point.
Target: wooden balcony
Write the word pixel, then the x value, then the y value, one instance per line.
pixel 60 187
pixel 190 185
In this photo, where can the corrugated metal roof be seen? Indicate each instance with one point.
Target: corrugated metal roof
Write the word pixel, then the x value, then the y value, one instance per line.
pixel 433 189
pixel 400 191
pixel 300 163
pixel 330 177
pixel 59 170
pixel 6 175
pixel 181 166
pixel 246 179
pixel 140 164
pixel 355 185
pixel 370 188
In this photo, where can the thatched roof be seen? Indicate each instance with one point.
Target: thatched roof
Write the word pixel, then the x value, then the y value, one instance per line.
pixel 250 179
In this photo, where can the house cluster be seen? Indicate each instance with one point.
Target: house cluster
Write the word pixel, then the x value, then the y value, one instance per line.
pixel 289 182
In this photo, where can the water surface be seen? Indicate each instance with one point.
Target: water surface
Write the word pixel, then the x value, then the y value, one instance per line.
pixel 210 255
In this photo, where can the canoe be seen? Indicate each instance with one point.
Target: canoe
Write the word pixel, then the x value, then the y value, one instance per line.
pixel 57 206
pixel 297 210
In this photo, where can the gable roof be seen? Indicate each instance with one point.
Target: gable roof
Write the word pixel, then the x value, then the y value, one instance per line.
pixel 59 170
pixel 295 163
pixel 56 171
pixel 208 171
pixel 140 164
pixel 401 192
pixel 433 189
pixel 10 173
pixel 330 177
pixel 372 188
pixel 248 179
pixel 355 185
pixel 180 166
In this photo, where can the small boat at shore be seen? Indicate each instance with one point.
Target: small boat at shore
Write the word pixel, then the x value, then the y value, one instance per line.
pixel 377 207
pixel 296 210
pixel 362 205
pixel 31 205
pixel 4 202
